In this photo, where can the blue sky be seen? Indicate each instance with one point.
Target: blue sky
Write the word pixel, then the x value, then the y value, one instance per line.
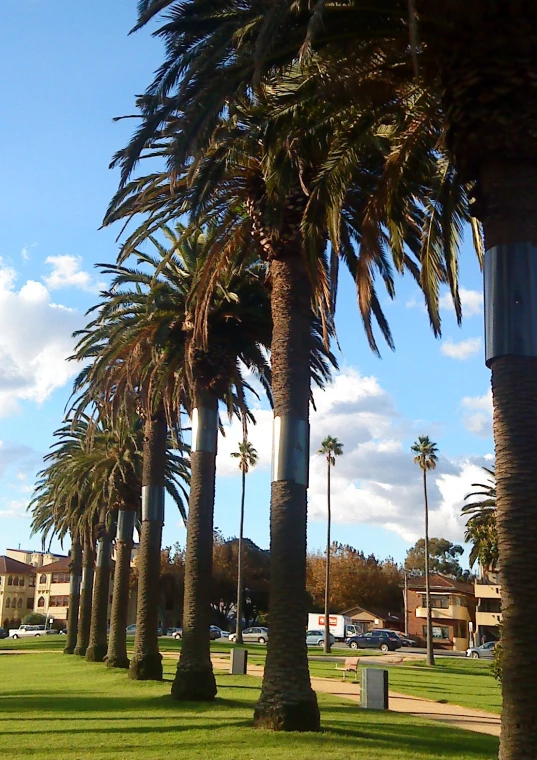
pixel 68 69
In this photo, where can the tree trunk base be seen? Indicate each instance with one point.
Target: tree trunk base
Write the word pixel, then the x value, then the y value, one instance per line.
pixel 146 668
pixel 194 685
pixel 118 662
pixel 96 653
pixel 288 716
pixel 80 651
pixel 69 650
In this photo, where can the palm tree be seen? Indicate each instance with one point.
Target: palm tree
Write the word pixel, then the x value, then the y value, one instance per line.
pixel 426 456
pixel 330 448
pixel 196 117
pixel 147 343
pixel 248 458
pixel 481 524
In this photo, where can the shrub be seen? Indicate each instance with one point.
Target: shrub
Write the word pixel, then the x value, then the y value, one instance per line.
pixel 496 667
pixel 34 618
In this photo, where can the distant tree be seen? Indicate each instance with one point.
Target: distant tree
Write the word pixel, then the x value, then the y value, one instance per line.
pixel 256 563
pixel 481 525
pixel 34 618
pixel 354 580
pixel 330 449
pixel 248 457
pixel 443 557
pixel 426 456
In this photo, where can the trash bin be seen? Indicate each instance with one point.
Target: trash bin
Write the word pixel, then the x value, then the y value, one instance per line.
pixel 374 689
pixel 238 662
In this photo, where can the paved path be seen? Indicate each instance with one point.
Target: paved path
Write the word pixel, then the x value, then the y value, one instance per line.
pixel 459 717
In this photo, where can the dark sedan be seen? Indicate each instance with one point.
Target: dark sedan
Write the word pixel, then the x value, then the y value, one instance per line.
pixel 3 634
pixel 386 641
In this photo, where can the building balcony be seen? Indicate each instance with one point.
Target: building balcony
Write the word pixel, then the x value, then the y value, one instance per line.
pixel 488 618
pixel 453 612
pixel 487 591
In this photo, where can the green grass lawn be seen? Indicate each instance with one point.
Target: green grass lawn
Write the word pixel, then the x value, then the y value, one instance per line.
pixel 57 706
pixel 460 682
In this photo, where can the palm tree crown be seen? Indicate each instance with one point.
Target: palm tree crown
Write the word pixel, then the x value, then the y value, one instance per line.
pixel 426 453
pixel 481 525
pixel 331 448
pixel 247 456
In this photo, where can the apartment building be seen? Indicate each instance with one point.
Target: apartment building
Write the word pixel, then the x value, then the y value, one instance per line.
pixel 488 616
pixel 30 557
pixel 17 591
pixel 452 608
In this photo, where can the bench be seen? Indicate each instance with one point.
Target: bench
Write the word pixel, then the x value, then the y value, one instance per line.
pixel 349 666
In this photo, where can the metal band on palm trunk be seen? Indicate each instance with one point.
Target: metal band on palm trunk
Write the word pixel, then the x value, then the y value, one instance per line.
pixel 510 301
pixel 103 554
pixel 153 503
pixel 290 449
pixel 125 525
pixel 204 429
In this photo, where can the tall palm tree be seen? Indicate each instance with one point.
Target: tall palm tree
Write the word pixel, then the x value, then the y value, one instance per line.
pixel 330 449
pixel 148 343
pixel 426 457
pixel 481 524
pixel 248 458
pixel 191 115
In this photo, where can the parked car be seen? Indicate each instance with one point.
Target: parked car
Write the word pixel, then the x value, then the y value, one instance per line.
pixel 177 633
pixel 316 639
pixel 131 629
pixel 24 631
pixel 406 641
pixel 3 634
pixel 485 650
pixel 223 634
pixel 257 635
pixel 386 641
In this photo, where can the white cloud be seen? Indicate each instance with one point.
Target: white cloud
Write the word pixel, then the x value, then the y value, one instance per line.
pixel 464 349
pixel 477 414
pixel 15 508
pixel 375 481
pixel 66 272
pixel 35 341
pixel 471 302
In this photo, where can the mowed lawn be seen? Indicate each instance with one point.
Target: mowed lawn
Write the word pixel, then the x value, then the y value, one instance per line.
pixel 57 706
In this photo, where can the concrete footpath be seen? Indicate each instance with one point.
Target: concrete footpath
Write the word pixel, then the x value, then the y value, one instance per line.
pixel 459 717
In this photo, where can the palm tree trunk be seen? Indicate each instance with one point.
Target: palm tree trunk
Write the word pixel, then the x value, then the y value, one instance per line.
pixel 239 565
pixel 508 189
pixel 98 643
pixel 117 644
pixel 194 678
pixel 327 579
pixel 287 701
pixel 430 652
pixel 86 594
pixel 75 570
pixel 146 662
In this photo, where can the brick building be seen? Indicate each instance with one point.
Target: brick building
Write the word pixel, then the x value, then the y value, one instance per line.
pixel 453 608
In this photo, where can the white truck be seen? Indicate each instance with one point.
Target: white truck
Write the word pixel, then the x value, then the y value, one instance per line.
pixel 341 627
pixel 29 630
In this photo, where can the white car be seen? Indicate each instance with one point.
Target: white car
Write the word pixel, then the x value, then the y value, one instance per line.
pixel 257 635
pixel 24 631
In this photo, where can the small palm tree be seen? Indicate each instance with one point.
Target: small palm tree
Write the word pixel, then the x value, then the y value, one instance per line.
pixel 481 525
pixel 426 456
pixel 248 458
pixel 330 448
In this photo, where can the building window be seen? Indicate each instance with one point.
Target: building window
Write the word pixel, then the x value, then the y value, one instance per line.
pixel 41 601
pixel 8 603
pixel 43 578
pixel 439 632
pixel 19 604
pixel 21 581
pixel 31 581
pixel 10 580
pixel 437 602
pixel 60 577
pixel 59 601
pixel 15 581
pixel 30 603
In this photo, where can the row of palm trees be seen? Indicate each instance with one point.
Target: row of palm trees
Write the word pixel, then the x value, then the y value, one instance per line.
pixel 301 136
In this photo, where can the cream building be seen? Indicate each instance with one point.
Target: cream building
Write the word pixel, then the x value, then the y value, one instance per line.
pixel 17 591
pixel 36 559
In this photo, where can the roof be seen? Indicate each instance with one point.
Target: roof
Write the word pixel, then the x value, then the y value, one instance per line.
pixel 54 567
pixel 8 565
pixel 442 583
pixel 380 614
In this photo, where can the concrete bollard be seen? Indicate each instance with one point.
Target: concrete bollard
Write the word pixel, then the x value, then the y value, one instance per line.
pixel 238 662
pixel 374 689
